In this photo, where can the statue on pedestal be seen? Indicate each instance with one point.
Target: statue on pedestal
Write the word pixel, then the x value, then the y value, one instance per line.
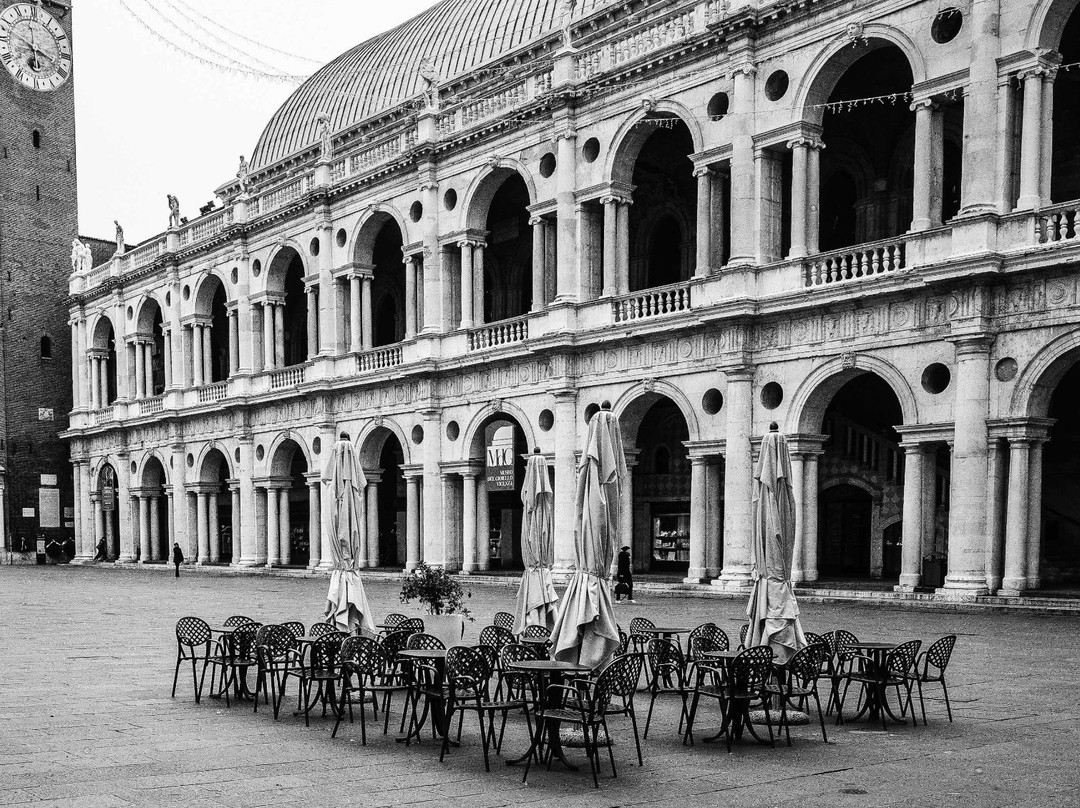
pixel 82 257
pixel 174 211
pixel 430 74
pixel 564 14
pixel 326 141
pixel 119 238
pixel 242 175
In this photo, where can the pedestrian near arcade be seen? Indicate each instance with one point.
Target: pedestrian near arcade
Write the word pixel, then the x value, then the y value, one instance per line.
pixel 177 557
pixel 624 578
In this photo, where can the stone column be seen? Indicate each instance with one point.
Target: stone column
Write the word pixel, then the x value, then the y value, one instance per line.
pixel 197 366
pixel 478 283
pixel 1034 533
pixel 97 532
pixel 268 353
pixel 483 526
pixel 1015 577
pixel 967 509
pixel 367 336
pixel 703 264
pixel 432 511
pixel 1047 155
pixel 800 183
pixel 273 530
pixel 980 110
pixel 567 263
pixel 144 528
pixel 372 494
pixel 315 523
pixel 234 342
pixel 252 553
pixel 284 528
pixel 140 370
pixel 412 521
pixel 128 531
pixel 626 507
pixel 312 322
pixel 410 297
pixel 468 521
pixel 622 238
pixel 538 262
pixel 355 324
pixel 79 492
pixel 148 359
pixel 697 571
pixel 257 341
pixel 738 481
pixel 565 476
pixel 995 513
pixel 95 386
pixel 170 380
pixel 237 522
pixel 924 147
pixel 466 284
pixel 1031 139
pixel 202 526
pixel 214 526
pixel 798 494
pixel 207 354
pixel 611 245
pixel 714 540
pixel 810 517
pixel 813 198
pixel 112 541
pixel 155 528
pixel 743 190
pixel 279 334
pixel 912 540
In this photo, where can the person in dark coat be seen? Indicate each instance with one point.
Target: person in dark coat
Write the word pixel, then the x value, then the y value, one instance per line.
pixel 177 557
pixel 102 552
pixel 624 577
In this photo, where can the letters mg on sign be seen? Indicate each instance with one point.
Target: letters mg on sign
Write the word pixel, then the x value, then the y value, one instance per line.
pixel 500 461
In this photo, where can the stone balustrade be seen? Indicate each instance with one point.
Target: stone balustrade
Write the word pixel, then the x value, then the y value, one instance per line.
pixel 213 392
pixel 287 377
pixel 503 332
pixel 379 359
pixel 855 263
pixel 652 303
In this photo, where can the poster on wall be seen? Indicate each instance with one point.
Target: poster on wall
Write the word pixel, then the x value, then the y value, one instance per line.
pixel 499 473
pixel 49 507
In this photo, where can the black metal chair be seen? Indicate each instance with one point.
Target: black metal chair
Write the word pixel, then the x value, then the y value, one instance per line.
pixel 235 656
pixel 276 654
pixel 894 671
pixel 295 627
pixel 800 683
pixel 515 690
pixel 706 637
pixel 192 634
pixel 321 630
pixel 841 661
pixel 237 620
pixel 668 673
pixel 536 632
pixel 496 637
pixel 937 656
pixel 466 689
pixel 589 703
pixel 322 668
pixel 744 684
pixel 410 624
pixel 375 671
pixel 504 620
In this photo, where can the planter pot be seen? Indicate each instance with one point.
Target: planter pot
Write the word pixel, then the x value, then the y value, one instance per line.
pixel 449 628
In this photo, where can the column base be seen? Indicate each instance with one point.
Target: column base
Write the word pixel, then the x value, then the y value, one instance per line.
pixel 908 582
pixel 1027 203
pixel 737 580
pixel 411 565
pixel 126 558
pixel 82 560
pixel 467 569
pixel 698 575
pixel 250 562
pixel 963 587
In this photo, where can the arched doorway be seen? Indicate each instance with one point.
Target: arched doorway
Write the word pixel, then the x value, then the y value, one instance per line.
pixel 382 459
pixel 108 513
pixel 153 488
pixel 213 315
pixel 388 285
pixel 499 447
pixel 289 306
pixel 103 366
pixel 1065 170
pixel 661 485
pixel 1060 519
pixel 508 257
pixel 150 348
pixel 861 480
pixel 663 217
pixel 214 487
pixel 289 476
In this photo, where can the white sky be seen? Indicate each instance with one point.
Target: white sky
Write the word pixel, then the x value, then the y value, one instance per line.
pixel 152 121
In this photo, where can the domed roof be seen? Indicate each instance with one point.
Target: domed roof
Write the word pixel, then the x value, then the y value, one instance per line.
pixel 383 72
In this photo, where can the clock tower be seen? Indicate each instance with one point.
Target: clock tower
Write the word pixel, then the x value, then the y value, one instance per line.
pixel 38 219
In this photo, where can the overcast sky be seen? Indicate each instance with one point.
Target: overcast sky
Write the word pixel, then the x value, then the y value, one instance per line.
pixel 152 120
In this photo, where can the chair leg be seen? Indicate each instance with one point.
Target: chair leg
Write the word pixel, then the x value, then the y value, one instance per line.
pixel 637 740
pixel 945 690
pixel 535 741
pixel 688 736
pixel 821 716
pixel 450 706
pixel 346 695
pixel 610 750
pixel 648 718
pixel 176 673
pixel 483 736
pixel 591 754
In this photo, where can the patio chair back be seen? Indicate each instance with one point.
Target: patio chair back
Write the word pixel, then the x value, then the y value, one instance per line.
pixel 536 632
pixel 321 629
pixel 940 652
pixel 393 619
pixel 295 627
pixel 900 661
pixel 805 666
pixel 192 632
pixel 410 624
pixel 705 638
pixel 618 680
pixel 749 671
pixel 504 620
pixel 496 637
pixel 467 670
pixel 326 651
pixel 425 642
pixel 395 642
pixel 237 620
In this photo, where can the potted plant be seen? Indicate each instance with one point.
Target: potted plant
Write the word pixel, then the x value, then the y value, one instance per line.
pixel 444 598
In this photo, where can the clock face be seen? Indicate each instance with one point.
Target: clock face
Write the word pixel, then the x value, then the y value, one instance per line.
pixel 34 47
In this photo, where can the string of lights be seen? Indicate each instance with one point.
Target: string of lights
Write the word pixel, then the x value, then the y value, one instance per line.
pixel 241 36
pixel 176 8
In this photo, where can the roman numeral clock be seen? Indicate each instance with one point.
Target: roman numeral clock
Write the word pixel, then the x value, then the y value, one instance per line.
pixel 34 47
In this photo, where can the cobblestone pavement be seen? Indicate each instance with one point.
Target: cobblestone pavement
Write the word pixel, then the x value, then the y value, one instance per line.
pixel 86 719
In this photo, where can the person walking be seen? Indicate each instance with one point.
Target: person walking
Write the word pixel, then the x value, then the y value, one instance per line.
pixel 624 577
pixel 177 557
pixel 102 552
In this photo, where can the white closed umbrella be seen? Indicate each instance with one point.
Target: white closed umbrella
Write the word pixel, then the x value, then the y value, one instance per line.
pixel 343 484
pixel 536 598
pixel 585 630
pixel 772 611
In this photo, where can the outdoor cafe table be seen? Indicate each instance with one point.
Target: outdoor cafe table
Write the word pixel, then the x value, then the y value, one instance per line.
pixel 666 632
pixel 725 658
pixel 876 696
pixel 437 656
pixel 555 671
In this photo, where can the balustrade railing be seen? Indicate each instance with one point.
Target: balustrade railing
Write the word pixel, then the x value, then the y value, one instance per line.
pixel 379 359
pixel 503 332
pixel 644 41
pixel 652 303
pixel 205 227
pixel 103 415
pixel 146 254
pixel 213 392
pixel 287 377
pixel 152 406
pixel 866 448
pixel 1061 223
pixel 855 263
pixel 488 107
pixel 284 194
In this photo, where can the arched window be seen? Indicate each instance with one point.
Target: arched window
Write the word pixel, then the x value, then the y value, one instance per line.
pixel 36 139
pixel 46 347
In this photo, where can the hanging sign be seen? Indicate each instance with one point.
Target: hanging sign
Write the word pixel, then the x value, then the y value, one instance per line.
pixel 500 460
pixel 108 490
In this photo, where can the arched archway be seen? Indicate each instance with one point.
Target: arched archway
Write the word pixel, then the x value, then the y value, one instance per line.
pixel 382 458
pixel 213 518
pixel 103 364
pixel 1065 155
pixel 1058 520
pixel 106 512
pixel 388 286
pixel 212 315
pixel 150 349
pixel 154 536
pixel 497 449
pixel 286 343
pixel 288 475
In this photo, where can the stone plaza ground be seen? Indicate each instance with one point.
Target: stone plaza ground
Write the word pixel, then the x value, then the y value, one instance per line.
pixel 86 719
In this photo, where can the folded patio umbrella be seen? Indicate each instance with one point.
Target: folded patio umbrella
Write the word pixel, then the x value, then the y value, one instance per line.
pixel 344 483
pixel 585 629
pixel 536 598
pixel 772 611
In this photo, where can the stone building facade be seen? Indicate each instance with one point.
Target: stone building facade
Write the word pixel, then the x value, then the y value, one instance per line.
pixel 38 210
pixel 857 222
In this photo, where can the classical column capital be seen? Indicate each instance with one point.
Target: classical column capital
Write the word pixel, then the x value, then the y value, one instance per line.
pixel 972 344
pixel 744 69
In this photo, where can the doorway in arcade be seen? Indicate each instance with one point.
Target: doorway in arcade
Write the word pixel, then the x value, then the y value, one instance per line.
pixel 504 472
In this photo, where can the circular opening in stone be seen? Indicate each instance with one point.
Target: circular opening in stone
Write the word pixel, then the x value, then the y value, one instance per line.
pixel 416 211
pixel 718 106
pixel 260 452
pixel 236 454
pixel 313 247
pixel 935 378
pixel 316 445
pixel 591 150
pixel 256 267
pixel 449 199
pixel 712 401
pixel 187 292
pixel 453 430
pixel 168 298
pixel 418 434
pixel 131 313
pixel 134 466
pixel 235 274
pixel 547 165
pixel 190 460
pixel 947 25
pixel 1005 369
pixel 590 411
pixel 776 85
pixel 772 395
pixel 546 420
pixel 341 237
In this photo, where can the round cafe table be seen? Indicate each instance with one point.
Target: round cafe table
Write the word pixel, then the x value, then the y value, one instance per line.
pixel 876 700
pixel 550 672
pixel 434 702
